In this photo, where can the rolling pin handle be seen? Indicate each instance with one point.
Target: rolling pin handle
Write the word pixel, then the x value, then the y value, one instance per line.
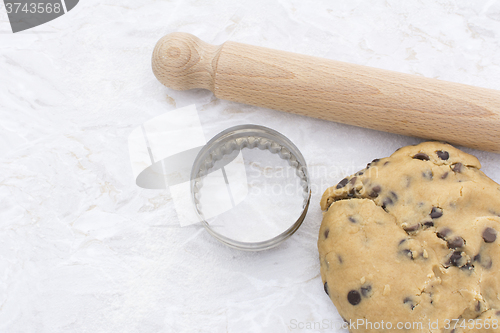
pixel 182 61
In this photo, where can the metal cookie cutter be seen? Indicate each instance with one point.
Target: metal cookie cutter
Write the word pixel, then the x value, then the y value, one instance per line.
pixel 250 187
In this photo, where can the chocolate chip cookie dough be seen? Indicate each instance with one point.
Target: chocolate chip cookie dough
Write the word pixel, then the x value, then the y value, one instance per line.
pixel 413 238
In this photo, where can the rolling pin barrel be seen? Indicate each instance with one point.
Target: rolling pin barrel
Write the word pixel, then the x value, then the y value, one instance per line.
pixel 332 90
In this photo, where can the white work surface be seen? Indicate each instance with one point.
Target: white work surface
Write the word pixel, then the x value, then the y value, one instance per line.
pixel 84 249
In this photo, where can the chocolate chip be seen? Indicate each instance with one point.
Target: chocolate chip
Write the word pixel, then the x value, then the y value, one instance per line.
pixel 402 241
pixel 408 301
pixel 375 191
pixel 436 213
pixel 428 224
pixel 428 174
pixel 342 183
pixel 353 180
pixel 366 291
pixel 354 297
pixel 387 201
pixel 457 167
pixel 325 286
pixel 394 195
pixel 443 233
pixel 360 173
pixel 498 313
pixel 487 263
pixel 444 155
pixel 339 258
pixel 478 306
pixel 421 156
pixel 352 219
pixel 467 267
pixel 455 258
pixel 408 253
pixel 493 212
pixel 412 228
pixel 489 235
pixel 376 160
pixel 327 231
pixel 456 243
pixel 408 181
pixel 387 162
pixel 444 175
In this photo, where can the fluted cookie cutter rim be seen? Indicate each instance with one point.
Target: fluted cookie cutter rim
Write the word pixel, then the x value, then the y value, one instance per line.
pixel 249 136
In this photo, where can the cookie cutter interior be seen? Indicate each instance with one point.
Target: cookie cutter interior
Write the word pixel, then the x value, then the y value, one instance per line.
pixel 250 187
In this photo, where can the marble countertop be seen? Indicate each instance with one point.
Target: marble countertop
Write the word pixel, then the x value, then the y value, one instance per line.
pixel 83 249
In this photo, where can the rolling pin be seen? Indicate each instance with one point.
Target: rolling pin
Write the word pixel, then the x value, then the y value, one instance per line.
pixel 332 90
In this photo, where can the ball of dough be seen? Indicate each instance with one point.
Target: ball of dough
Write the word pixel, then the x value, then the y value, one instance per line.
pixel 413 239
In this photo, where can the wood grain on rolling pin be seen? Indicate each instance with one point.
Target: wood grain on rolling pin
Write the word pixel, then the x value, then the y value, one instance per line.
pixel 332 90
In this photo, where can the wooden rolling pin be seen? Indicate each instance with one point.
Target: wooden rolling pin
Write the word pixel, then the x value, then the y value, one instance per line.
pixel 332 90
